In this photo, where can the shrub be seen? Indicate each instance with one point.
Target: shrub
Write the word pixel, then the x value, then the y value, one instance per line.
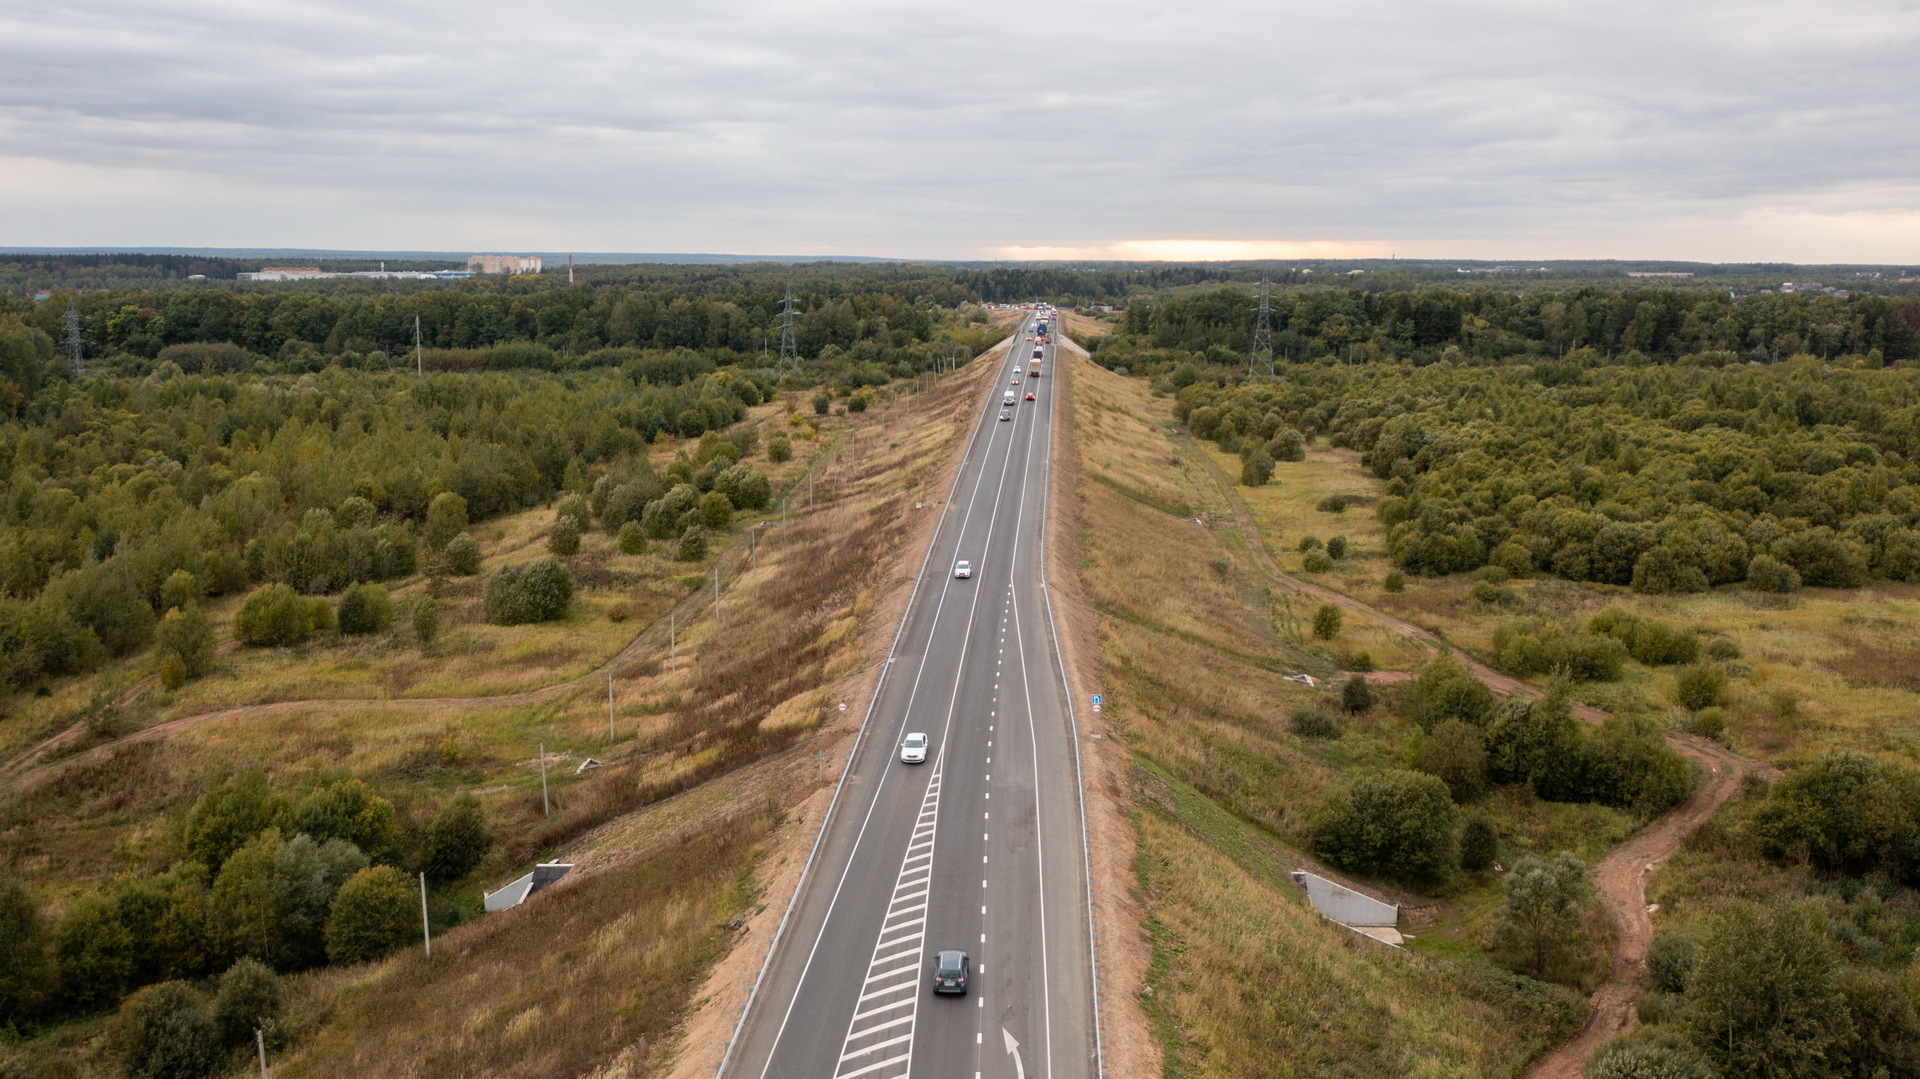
pixel 1479 845
pixel 1513 558
pixel 1764 996
pixel 172 672
pixel 616 612
pixel 1332 504
pixel 564 538
pixel 346 809
pixel 1308 543
pixel 1313 723
pixel 1708 723
pixel 463 555
pixel 186 634
pixel 1769 574
pixel 1256 468
pixel 537 592
pixel 1356 695
pixel 693 544
pixel 1647 641
pixel 1316 562
pixel 1287 445
pixel 1722 649
pixel 1456 752
pixel 1445 690
pixel 1395 581
pixel 375 913
pixel 1670 962
pixel 779 449
pixel 577 508
pixel 632 539
pixel 180 590
pixel 745 487
pixel 1646 1058
pixel 716 511
pixel 250 998
pixel 1337 548
pixel 168 1032
pixel 1391 824
pixel 1538 929
pixel 365 608
pixel 1845 813
pixel 274 616
pixel 1326 622
pixel 1702 685
pixel 446 518
pixel 457 840
pixel 822 404
pixel 426 619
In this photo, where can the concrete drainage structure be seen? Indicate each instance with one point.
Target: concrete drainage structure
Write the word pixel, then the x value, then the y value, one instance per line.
pixel 516 893
pixel 1361 913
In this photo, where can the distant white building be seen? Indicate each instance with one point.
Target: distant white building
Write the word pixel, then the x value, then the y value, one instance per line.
pixel 509 264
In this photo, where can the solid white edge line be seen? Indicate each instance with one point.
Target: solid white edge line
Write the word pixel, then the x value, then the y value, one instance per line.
pixel 846 770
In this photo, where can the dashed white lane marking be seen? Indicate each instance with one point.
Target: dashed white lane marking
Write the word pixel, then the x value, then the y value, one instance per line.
pixel 879 1041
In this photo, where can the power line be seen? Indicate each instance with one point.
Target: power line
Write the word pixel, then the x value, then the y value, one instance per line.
pixel 1262 355
pixel 789 349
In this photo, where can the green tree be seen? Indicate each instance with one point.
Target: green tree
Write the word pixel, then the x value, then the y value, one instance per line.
pixel 375 913
pixel 1445 690
pixel 171 672
pixel 24 963
pixel 1768 574
pixel 716 511
pixel 168 1032
pixel 632 539
pixel 1538 930
pixel 302 893
pixel 577 508
pixel 1390 824
pixel 251 997
pixel 1540 743
pixel 1647 1058
pixel 564 538
pixel 463 555
pixel 1326 622
pixel 457 840
pixel 693 544
pixel 822 403
pixel 1702 685
pixel 225 818
pixel 1356 695
pixel 365 608
pixel 1765 998
pixel 1456 752
pixel 446 518
pixel 241 909
pixel 1886 1028
pixel 1395 581
pixel 1256 468
pixel 426 619
pixel 94 954
pixel 1337 548
pixel 536 592
pixel 167 915
pixel 179 591
pixel 779 449
pixel 1479 845
pixel 341 807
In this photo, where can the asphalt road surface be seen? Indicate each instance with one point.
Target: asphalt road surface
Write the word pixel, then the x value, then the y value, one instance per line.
pixel 981 848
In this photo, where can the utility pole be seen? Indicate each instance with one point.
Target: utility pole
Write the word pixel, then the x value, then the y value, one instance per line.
pixel 74 361
pixel 260 1039
pixel 789 350
pixel 673 639
pixel 609 706
pixel 569 269
pixel 546 807
pixel 1262 354
pixel 426 930
pixel 419 356
pixel 716 592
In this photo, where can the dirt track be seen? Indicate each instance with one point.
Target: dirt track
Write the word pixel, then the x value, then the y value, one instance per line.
pixel 1620 878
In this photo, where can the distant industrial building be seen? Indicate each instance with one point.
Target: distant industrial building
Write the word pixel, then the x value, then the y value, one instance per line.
pixel 315 273
pixel 503 264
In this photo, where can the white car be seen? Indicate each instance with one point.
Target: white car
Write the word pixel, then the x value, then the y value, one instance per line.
pixel 963 569
pixel 914 749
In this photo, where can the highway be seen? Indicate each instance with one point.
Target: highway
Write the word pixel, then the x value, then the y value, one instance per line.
pixel 982 848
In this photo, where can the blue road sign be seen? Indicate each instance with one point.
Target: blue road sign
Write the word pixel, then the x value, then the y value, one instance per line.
pixel 1096 698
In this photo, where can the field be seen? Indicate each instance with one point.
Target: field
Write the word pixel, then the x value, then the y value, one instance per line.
pixel 1196 642
pixel 717 715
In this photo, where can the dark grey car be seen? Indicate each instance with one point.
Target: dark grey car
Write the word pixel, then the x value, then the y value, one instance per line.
pixel 950 970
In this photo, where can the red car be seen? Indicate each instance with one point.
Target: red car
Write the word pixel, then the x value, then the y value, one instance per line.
pixel 1029 397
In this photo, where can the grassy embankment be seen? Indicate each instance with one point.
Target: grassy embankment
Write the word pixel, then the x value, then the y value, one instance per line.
pixel 601 977
pixel 1245 978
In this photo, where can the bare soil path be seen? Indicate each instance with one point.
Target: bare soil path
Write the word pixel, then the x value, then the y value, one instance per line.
pixel 1620 878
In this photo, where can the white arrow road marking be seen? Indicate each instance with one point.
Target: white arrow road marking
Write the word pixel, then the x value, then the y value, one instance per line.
pixel 1013 1050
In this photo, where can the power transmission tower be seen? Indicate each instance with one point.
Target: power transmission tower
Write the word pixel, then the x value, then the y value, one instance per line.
pixel 74 360
pixel 419 354
pixel 789 350
pixel 1261 358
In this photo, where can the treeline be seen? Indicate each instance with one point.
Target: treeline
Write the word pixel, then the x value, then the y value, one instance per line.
pixel 1630 326
pixel 127 498
pixel 1408 825
pixel 1668 479
pixel 322 874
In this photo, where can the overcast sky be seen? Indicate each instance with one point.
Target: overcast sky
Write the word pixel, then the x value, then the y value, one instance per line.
pixel 1434 128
